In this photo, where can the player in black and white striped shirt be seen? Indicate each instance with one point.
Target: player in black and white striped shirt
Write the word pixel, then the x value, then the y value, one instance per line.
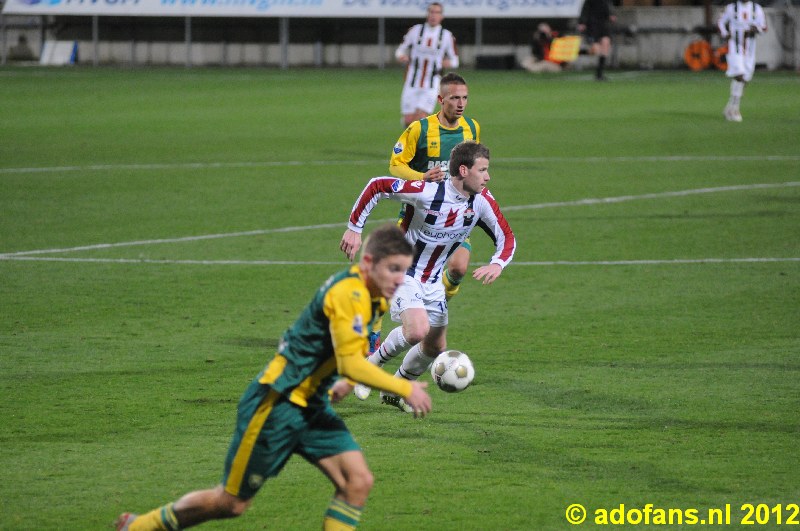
pixel 426 50
pixel 740 23
pixel 440 217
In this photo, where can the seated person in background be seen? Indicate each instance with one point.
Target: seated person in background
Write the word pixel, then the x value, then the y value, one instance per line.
pixel 540 60
pixel 21 51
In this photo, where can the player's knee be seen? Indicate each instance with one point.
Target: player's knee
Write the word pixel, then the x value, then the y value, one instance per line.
pixel 238 507
pixel 414 332
pixel 359 485
pixel 457 269
pixel 229 506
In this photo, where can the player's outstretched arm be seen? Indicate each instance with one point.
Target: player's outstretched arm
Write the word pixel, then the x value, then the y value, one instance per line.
pixel 350 244
pixel 487 273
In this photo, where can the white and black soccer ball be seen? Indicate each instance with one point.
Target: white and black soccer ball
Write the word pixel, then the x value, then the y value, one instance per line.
pixel 452 371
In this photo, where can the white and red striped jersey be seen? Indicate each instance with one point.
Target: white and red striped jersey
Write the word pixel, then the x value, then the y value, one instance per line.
pixel 739 23
pixel 426 47
pixel 438 218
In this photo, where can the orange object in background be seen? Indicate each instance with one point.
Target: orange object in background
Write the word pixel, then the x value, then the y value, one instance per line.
pixel 698 55
pixel 719 59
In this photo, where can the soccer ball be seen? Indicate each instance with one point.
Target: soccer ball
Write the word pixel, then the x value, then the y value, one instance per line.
pixel 452 371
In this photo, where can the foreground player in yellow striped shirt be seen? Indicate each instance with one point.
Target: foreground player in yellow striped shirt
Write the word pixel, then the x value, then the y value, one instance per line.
pixel 287 409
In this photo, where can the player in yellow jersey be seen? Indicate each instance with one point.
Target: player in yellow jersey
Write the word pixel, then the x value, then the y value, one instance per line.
pixel 287 409
pixel 423 153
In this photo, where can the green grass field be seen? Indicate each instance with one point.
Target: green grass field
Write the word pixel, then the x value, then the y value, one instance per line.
pixel 160 228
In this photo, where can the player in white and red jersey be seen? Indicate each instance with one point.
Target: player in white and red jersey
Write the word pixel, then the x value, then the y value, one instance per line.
pixel 426 49
pixel 440 217
pixel 740 23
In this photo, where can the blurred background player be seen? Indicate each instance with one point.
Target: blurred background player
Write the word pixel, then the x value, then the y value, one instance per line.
pixel 426 50
pixel 423 153
pixel 740 23
pixel 539 60
pixel 287 409
pixel 595 21
pixel 442 215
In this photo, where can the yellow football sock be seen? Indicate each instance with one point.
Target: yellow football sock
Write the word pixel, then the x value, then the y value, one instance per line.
pixel 161 519
pixel 451 287
pixel 341 516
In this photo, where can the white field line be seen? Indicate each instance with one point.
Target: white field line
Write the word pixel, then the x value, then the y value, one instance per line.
pixel 290 163
pixel 98 246
pixel 320 262
pixel 657 195
pixel 29 255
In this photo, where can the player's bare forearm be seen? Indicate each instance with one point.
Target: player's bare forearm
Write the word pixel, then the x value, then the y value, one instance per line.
pixel 488 273
pixel 350 244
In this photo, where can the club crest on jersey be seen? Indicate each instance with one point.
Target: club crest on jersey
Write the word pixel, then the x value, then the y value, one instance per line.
pixel 469 215
pixel 358 325
pixel 398 148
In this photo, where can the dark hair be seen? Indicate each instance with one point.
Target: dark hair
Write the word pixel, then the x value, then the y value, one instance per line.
pixel 465 153
pixel 451 78
pixel 387 240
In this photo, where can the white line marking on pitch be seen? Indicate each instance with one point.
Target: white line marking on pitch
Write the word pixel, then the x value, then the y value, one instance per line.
pixel 657 195
pixel 322 262
pixel 289 163
pixel 579 202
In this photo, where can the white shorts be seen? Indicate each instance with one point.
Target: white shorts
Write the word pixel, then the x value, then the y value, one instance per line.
pixel 414 294
pixel 414 99
pixel 740 64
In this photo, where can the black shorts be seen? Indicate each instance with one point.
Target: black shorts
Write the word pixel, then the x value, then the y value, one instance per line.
pixel 597 29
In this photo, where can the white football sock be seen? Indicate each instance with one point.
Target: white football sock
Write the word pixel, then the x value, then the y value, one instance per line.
pixel 394 344
pixel 414 364
pixel 737 88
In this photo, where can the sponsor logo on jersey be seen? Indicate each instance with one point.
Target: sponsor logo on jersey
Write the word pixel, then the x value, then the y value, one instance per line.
pixel 417 184
pixel 358 325
pixel 443 164
pixel 398 148
pixel 397 185
pixel 443 235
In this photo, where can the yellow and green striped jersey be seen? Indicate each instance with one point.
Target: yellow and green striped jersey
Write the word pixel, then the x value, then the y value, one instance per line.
pixel 335 323
pixel 427 143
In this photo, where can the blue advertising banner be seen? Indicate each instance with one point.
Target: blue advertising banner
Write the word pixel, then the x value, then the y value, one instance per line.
pixel 297 8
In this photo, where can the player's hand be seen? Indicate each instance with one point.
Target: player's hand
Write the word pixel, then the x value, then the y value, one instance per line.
pixel 340 389
pixel 419 399
pixel 403 58
pixel 487 273
pixel 350 244
pixel 433 175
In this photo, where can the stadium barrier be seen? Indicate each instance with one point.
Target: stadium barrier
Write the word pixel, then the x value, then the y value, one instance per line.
pixel 645 38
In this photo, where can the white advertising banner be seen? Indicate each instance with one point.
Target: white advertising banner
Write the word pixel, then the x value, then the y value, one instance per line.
pixel 297 8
